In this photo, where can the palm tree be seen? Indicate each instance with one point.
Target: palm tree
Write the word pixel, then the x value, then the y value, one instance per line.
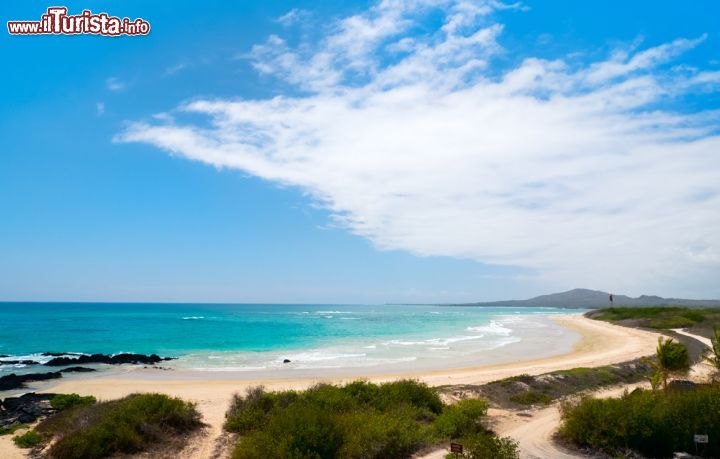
pixel 713 356
pixel 671 357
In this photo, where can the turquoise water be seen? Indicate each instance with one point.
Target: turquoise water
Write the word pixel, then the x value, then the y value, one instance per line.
pixel 250 337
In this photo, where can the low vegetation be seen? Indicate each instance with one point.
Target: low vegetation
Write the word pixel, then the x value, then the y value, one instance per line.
pixel 655 423
pixel 64 401
pixel 531 397
pixel 712 356
pixel 488 447
pixel 359 420
pixel 661 317
pixel 652 423
pixel 136 423
pixel 29 439
pixel 671 358
pixel 525 390
pixel 12 428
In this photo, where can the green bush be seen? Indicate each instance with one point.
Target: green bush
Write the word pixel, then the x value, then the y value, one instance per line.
pixel 485 446
pixel 130 425
pixel 29 439
pixel 671 322
pixel 12 428
pixel 531 398
pixel 655 424
pixel 461 418
pixel 64 401
pixel 662 317
pixel 357 420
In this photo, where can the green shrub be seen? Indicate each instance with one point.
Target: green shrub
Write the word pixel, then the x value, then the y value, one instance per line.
pixel 29 439
pixel 12 428
pixel 358 420
pixel 662 317
pixel 485 446
pixel 525 378
pixel 655 424
pixel 461 418
pixel 389 434
pixel 531 398
pixel 671 322
pixel 130 425
pixel 64 401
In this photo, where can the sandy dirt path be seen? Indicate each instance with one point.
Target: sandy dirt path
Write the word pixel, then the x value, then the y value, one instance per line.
pixel 535 434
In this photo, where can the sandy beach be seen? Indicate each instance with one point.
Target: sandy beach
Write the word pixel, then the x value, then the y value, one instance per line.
pixel 600 344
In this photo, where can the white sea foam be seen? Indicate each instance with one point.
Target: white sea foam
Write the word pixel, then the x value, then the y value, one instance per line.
pixel 39 358
pixel 494 328
pixel 193 318
pixel 320 356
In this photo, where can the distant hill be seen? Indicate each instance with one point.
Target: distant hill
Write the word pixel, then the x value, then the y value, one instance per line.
pixel 584 298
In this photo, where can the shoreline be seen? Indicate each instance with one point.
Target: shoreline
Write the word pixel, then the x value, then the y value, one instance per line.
pixel 601 343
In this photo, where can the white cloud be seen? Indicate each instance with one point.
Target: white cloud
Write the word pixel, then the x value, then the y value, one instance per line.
pixel 114 84
pixel 100 108
pixel 173 69
pixel 292 17
pixel 410 142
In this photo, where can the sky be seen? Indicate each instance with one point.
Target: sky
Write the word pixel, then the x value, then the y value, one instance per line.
pixel 362 152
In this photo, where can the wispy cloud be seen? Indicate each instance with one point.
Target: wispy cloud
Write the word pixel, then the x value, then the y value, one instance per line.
pixel 410 140
pixel 114 84
pixel 292 17
pixel 100 108
pixel 173 69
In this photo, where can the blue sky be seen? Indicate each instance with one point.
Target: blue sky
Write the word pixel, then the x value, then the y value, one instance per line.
pixel 153 168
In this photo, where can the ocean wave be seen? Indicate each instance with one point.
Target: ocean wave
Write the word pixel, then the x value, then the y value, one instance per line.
pixel 319 356
pixel 226 368
pixel 334 312
pixel 432 341
pixel 37 357
pixel 493 328
pixel 193 318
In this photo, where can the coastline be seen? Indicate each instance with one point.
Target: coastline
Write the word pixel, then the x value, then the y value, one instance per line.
pixel 600 344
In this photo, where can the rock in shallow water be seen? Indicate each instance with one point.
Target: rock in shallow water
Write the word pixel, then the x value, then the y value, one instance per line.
pixel 19 362
pixel 77 370
pixel 13 381
pixel 118 359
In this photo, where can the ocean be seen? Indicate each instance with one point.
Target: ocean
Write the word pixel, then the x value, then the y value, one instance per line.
pixel 259 338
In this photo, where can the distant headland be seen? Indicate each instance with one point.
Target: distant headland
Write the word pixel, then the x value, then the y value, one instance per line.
pixel 586 298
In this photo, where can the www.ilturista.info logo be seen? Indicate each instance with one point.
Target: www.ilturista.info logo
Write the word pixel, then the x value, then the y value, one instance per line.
pixel 57 22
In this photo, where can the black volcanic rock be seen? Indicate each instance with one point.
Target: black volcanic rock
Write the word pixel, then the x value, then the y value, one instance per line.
pixel 19 362
pixel 286 361
pixel 25 409
pixel 13 381
pixel 119 359
pixel 77 370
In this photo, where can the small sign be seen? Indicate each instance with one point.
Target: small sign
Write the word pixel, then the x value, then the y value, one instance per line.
pixel 701 438
pixel 456 448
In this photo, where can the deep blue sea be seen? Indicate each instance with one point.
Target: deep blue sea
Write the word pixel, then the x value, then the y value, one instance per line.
pixel 246 337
